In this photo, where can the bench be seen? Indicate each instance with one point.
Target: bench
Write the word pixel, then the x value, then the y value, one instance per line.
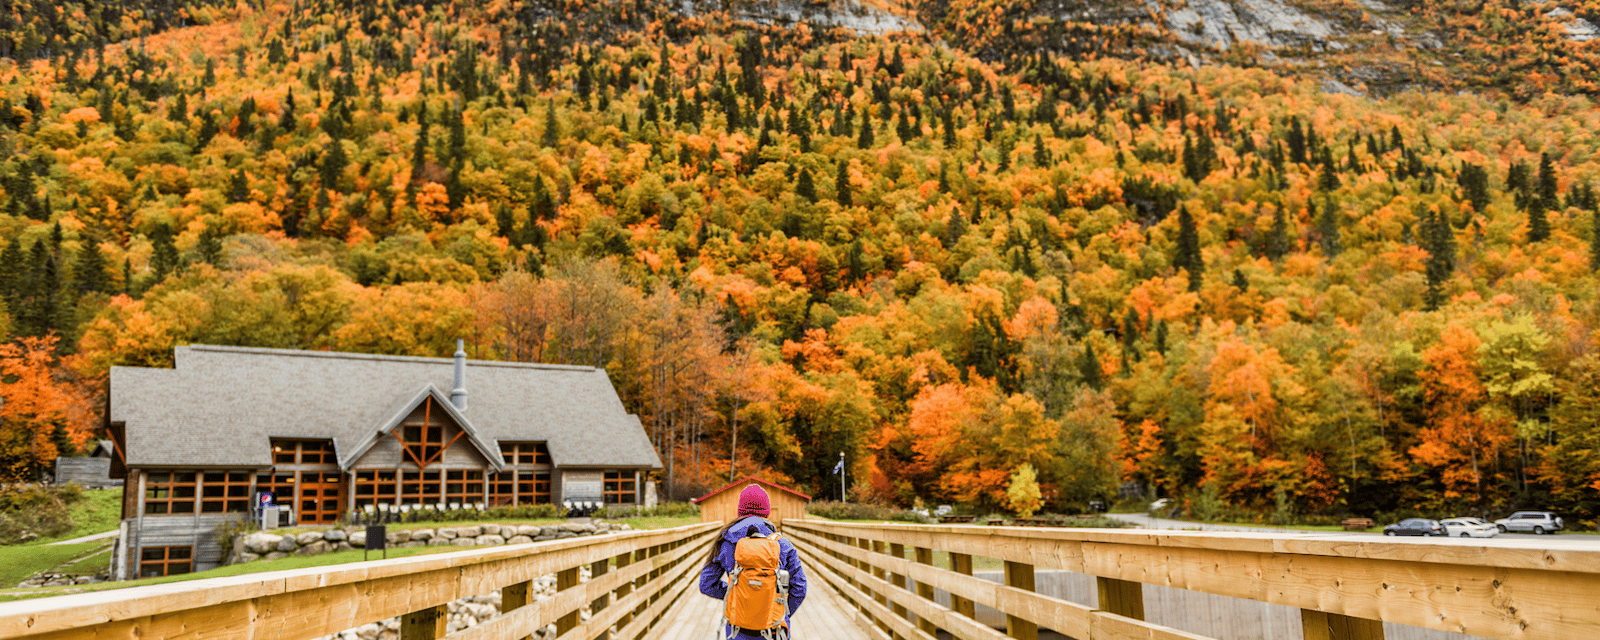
pixel 956 519
pixel 1033 522
pixel 1357 524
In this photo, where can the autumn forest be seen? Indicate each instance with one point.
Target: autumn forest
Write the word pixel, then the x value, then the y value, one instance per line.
pixel 947 253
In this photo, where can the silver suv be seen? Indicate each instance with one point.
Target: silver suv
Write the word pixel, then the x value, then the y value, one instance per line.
pixel 1539 522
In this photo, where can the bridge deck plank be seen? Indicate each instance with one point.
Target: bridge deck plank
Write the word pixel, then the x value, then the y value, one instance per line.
pixel 823 615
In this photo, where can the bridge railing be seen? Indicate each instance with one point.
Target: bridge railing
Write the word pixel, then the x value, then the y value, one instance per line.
pixel 1345 587
pixel 634 578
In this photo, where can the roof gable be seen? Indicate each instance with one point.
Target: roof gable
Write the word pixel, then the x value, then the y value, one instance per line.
pixel 748 480
pixel 404 408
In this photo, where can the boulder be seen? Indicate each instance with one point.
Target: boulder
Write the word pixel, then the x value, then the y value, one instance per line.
pixel 446 533
pixel 506 531
pixel 571 527
pixel 315 548
pixel 397 537
pixel 308 538
pixel 526 530
pixel 519 540
pixel 275 555
pixel 625 527
pixel 464 542
pixel 422 535
pixel 439 542
pixel 413 543
pixel 550 530
pixel 261 542
pixel 343 546
pixel 490 540
pixel 469 531
pixel 287 545
pixel 358 539
pixel 566 534
pixel 543 538
pixel 335 535
pixel 246 557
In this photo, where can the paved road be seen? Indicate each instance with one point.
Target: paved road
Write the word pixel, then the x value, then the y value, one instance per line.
pixel 1564 541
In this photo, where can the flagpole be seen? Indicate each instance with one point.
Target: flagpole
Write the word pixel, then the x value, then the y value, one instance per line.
pixel 843 497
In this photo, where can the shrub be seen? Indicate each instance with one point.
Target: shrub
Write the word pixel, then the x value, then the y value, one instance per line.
pixel 860 511
pixel 36 511
pixel 667 509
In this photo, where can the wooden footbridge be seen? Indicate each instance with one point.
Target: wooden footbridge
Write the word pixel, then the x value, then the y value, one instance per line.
pixel 886 582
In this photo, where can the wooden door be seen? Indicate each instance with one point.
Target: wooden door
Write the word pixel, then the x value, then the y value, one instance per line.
pixel 318 499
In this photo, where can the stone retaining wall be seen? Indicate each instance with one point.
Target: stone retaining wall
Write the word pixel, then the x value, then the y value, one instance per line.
pixel 265 545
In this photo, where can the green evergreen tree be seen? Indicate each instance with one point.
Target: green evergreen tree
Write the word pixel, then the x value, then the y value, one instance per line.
pixel 1188 249
pixel 552 128
pixel 164 254
pixel 210 246
pixel 1089 367
pixel 1277 244
pixel 1549 199
pixel 1328 230
pixel 805 186
pixel 865 141
pixel 841 186
pixel 954 228
pixel 89 274
pixel 1538 221
pixel 1440 241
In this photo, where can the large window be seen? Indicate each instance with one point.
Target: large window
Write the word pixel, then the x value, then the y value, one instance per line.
pixel 521 487
pixel 155 562
pixel 525 453
pixel 375 487
pixel 425 443
pixel 169 492
pixel 463 487
pixel 620 487
pixel 224 491
pixel 308 452
pixel 421 487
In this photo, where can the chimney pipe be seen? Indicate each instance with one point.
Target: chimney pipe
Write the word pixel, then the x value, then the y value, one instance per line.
pixel 458 395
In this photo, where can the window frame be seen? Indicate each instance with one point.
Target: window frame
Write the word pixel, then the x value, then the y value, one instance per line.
pixel 166 562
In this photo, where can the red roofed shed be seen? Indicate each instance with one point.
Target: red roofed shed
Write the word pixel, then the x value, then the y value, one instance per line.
pixel 722 505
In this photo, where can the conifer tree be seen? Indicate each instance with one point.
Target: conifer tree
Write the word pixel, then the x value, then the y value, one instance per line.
pixel 1188 249
pixel 841 186
pixel 1538 221
pixel 1549 199
pixel 164 254
pixel 954 228
pixel 1328 230
pixel 1089 367
pixel 1594 241
pixel 1278 238
pixel 805 186
pixel 89 273
pixel 865 141
pixel 210 246
pixel 552 128
pixel 1440 241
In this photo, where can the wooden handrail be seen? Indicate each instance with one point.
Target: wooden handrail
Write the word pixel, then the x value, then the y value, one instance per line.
pixel 635 577
pixel 1343 585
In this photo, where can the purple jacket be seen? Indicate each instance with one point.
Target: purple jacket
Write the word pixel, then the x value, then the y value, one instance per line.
pixel 711 582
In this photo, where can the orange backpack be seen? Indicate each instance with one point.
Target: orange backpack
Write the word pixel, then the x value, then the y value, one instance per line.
pixel 758 590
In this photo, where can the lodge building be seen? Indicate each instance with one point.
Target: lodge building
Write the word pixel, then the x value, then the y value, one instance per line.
pixel 328 433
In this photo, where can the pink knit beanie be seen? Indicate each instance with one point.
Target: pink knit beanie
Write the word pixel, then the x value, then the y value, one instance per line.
pixel 753 502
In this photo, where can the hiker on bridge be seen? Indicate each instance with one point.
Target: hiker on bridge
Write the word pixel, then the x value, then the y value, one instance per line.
pixel 756 572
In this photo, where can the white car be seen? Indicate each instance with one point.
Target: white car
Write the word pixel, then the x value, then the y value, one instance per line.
pixel 1469 528
pixel 1161 504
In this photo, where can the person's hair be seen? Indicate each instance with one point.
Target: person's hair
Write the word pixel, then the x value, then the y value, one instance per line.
pixel 716 543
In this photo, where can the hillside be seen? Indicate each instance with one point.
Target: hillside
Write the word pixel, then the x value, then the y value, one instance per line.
pixel 983 241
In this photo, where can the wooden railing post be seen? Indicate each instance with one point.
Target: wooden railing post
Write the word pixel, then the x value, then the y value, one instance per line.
pixel 1121 597
pixel 516 596
pixel 426 624
pixel 624 589
pixel 566 579
pixel 962 563
pixel 1020 576
pixel 1321 625
pixel 899 552
pixel 925 591
pixel 596 569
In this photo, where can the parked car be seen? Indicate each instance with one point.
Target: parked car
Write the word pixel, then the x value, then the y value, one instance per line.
pixel 1415 527
pixel 1161 505
pixel 1469 528
pixel 1539 522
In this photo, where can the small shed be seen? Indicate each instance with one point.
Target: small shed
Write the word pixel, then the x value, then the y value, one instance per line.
pixel 722 505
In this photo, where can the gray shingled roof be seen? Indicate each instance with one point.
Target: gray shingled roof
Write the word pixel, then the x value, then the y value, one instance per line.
pixel 221 406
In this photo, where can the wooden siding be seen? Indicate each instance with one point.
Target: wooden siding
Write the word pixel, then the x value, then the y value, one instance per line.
pixel 387 453
pixel 89 472
pixel 199 532
pixel 724 507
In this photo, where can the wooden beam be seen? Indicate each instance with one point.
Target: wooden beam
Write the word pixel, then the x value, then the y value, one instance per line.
pixel 424 624
pixel 1020 576
pixel 1319 625
pixel 1121 597
pixel 566 579
pixel 962 563
pixel 924 557
pixel 516 596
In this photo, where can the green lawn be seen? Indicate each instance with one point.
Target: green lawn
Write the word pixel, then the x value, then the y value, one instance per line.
pixel 17 562
pixel 32 558
pixel 99 511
